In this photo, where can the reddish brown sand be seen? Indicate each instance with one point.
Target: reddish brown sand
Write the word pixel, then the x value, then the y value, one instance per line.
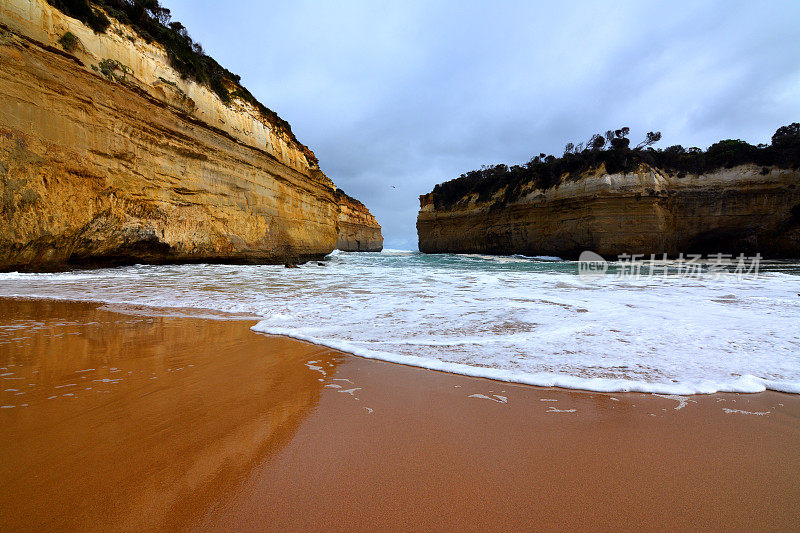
pixel 134 422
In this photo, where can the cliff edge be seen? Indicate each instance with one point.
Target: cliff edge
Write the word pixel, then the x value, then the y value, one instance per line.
pixel 642 204
pixel 358 229
pixel 108 155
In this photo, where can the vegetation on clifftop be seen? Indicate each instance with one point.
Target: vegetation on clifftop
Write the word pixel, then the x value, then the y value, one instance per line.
pixel 614 152
pixel 153 23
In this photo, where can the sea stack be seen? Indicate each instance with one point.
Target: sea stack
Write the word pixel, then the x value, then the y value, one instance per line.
pixel 110 155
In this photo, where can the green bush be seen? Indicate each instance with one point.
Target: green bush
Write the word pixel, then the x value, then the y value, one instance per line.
pixel 83 11
pixel 113 69
pixel 68 41
pixel 168 82
pixel 787 136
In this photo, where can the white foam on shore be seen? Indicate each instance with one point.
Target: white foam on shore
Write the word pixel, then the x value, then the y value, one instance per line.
pixel 746 384
pixel 740 411
pixel 552 409
pixel 494 397
pixel 682 402
pixel 525 320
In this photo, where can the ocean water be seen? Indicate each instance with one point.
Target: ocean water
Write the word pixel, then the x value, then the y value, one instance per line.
pixel 520 319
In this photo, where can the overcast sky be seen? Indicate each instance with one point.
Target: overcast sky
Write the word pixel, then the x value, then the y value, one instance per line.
pixel 396 97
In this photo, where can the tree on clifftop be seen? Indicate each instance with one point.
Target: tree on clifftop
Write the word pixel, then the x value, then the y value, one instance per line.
pixel 505 184
pixel 650 139
pixel 787 135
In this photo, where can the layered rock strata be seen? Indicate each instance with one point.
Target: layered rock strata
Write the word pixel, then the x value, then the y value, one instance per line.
pixel 744 209
pixel 358 229
pixel 108 156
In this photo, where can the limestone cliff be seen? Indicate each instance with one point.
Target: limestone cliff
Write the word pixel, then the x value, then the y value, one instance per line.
pixel 358 229
pixel 744 209
pixel 108 155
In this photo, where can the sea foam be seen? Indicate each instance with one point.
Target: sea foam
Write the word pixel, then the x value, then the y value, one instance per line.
pixel 518 319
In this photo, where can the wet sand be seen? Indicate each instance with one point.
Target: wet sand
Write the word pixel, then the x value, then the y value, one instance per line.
pixel 135 422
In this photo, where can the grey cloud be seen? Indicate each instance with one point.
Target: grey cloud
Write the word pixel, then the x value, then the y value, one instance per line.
pixel 414 93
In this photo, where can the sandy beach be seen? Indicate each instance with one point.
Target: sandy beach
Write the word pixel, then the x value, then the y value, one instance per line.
pixel 449 266
pixel 130 421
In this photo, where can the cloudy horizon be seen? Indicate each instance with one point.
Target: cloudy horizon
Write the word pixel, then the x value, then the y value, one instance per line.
pixel 396 98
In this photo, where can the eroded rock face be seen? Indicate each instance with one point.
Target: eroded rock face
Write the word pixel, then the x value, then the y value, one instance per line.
pixel 358 229
pixel 145 166
pixel 745 209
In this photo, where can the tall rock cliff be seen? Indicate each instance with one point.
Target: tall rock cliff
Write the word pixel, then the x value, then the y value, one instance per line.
pixel 744 209
pixel 108 155
pixel 358 229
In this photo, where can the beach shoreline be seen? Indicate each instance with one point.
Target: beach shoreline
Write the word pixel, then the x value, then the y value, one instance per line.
pixel 142 421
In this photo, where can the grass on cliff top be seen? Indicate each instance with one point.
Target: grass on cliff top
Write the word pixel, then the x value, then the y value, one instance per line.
pixel 152 22
pixel 613 150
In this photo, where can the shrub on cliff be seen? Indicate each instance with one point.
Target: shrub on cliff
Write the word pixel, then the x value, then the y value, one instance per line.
pixel 545 171
pixel 787 136
pixel 786 144
pixel 729 153
pixel 81 10
pixel 152 22
pixel 112 69
pixel 68 41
